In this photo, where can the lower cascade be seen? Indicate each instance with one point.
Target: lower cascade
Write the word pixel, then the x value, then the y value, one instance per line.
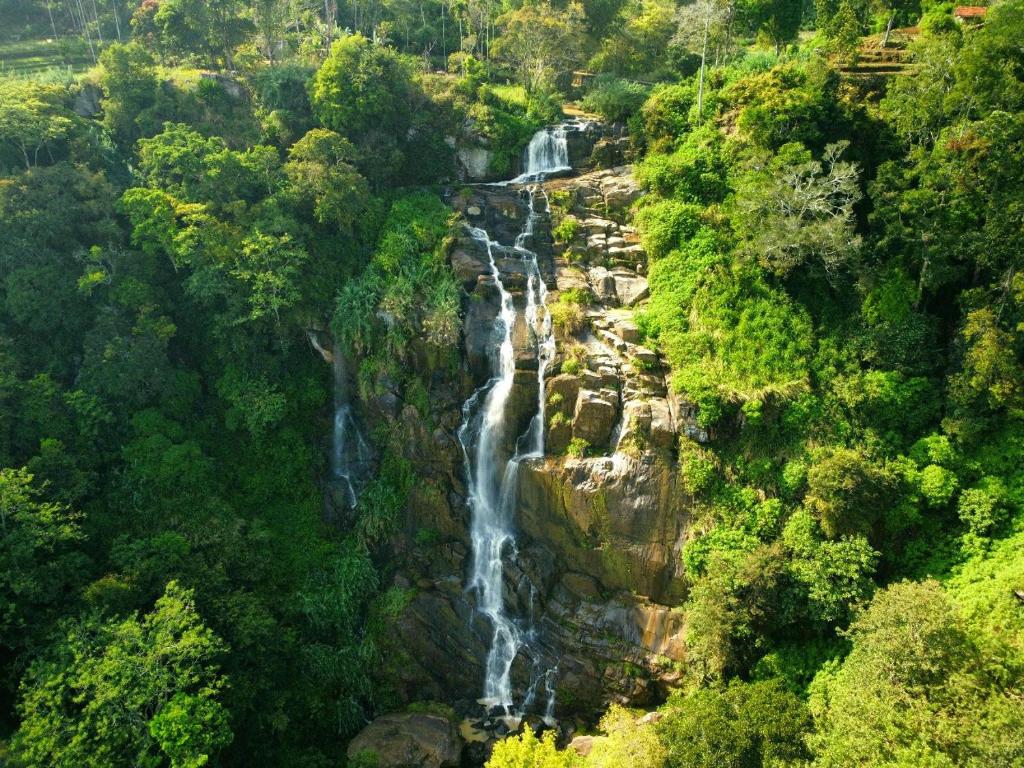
pixel 491 474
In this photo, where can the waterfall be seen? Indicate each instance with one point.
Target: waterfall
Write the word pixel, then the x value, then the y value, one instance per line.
pixel 549 685
pixel 491 486
pixel 490 494
pixel 539 319
pixel 349 450
pixel 548 152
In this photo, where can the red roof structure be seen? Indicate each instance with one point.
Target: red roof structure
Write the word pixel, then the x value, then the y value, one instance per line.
pixel 970 12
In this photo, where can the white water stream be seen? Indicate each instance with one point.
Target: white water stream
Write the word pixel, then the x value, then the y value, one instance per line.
pixel 547 153
pixel 491 479
pixel 350 452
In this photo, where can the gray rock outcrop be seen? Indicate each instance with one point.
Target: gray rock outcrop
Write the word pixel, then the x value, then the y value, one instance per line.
pixel 408 740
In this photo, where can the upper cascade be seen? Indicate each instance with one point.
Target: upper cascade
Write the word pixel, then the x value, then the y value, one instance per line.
pixel 547 153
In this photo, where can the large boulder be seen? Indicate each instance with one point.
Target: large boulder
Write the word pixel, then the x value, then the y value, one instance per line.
pixel 409 740
pixel 620 520
pixel 629 287
pixel 467 263
pixel 88 101
pixel 603 283
pixel 594 417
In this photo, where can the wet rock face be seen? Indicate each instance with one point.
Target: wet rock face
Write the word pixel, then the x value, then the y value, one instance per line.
pixel 88 101
pixel 581 138
pixel 409 740
pixel 474 163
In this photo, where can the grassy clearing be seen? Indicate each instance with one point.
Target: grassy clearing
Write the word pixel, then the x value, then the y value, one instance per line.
pixel 511 94
pixel 35 56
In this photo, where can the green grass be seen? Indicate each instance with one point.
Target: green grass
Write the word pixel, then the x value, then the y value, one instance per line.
pixel 511 94
pixel 35 56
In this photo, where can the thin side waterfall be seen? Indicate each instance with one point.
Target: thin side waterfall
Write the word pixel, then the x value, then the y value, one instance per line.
pixel 539 320
pixel 492 484
pixel 349 450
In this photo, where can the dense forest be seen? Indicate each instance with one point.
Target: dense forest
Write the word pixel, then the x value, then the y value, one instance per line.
pixel 193 192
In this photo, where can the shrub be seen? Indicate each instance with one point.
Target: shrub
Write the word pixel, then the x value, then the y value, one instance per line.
pixel 614 99
pixel 695 172
pixel 567 315
pixel 666 114
pixel 527 751
pixel 566 229
pixel 698 466
pixel 665 224
pixel 577 448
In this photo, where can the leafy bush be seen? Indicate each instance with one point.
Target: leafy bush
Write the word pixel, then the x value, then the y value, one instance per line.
pixel 666 224
pixel 666 113
pixel 577 448
pixel 614 99
pixel 566 229
pixel 744 724
pixel 527 751
pixel 694 172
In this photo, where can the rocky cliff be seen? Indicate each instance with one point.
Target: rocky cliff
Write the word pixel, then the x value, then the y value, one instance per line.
pixel 596 575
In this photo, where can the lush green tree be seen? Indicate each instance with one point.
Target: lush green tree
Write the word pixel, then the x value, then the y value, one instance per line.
pixel 666 114
pixel 916 105
pixel 324 180
pixel 744 724
pixel 614 99
pixel 636 47
pixel 835 574
pixel 540 40
pixel 847 491
pixel 209 31
pixel 778 20
pixel 991 378
pixel 695 172
pixel 49 218
pixel 527 751
pixel 33 120
pixel 364 92
pixel 626 742
pixel 129 82
pixel 41 565
pixel 913 685
pixel 138 691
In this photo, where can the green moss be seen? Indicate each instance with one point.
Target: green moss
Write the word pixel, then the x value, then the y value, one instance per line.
pixel 434 708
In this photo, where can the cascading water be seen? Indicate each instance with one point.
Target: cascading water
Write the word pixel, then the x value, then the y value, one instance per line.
pixel 349 451
pixel 491 481
pixel 490 494
pixel 547 153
